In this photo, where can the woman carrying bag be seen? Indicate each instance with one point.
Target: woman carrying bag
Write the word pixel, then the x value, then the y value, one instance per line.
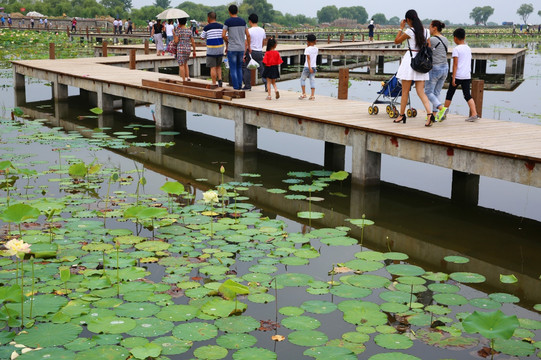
pixel 416 36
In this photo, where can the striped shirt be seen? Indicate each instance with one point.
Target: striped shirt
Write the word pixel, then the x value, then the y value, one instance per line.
pixel 215 43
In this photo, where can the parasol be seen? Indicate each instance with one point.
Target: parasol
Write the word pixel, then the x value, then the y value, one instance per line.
pixel 172 13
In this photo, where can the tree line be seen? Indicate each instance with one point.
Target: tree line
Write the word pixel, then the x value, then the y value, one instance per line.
pixel 480 14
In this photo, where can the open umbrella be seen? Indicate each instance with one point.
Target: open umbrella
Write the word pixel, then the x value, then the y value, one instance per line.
pixel 172 13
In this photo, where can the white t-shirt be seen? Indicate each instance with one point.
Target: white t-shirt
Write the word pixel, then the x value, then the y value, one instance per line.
pixel 411 40
pixel 115 23
pixel 463 53
pixel 312 51
pixel 169 28
pixel 257 35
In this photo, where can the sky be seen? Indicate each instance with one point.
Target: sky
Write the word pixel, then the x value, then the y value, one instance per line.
pixel 504 10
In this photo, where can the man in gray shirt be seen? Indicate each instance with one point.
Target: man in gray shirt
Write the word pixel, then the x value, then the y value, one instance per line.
pixel 234 35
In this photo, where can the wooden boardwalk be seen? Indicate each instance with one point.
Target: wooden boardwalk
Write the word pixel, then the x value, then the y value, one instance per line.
pixel 500 149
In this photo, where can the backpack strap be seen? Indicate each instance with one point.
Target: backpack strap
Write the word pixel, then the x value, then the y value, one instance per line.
pixel 441 42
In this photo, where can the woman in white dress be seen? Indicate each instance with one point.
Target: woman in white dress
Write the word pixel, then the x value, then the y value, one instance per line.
pixel 414 35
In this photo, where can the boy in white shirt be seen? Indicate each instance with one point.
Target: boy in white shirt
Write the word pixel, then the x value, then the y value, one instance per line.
pixel 309 70
pixel 257 37
pixel 461 76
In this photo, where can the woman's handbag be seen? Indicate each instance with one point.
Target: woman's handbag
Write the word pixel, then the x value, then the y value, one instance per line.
pixel 423 61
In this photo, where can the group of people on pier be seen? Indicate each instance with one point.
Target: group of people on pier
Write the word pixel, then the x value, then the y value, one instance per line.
pixel 429 85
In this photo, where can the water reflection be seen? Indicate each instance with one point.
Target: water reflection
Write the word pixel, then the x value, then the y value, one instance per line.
pixel 426 227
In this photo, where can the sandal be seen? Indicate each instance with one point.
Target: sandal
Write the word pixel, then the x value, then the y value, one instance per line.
pixel 312 98
pixel 302 97
pixel 269 97
pixel 277 95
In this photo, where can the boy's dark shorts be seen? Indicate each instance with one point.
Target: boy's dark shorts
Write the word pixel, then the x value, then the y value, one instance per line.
pixel 214 61
pixel 464 84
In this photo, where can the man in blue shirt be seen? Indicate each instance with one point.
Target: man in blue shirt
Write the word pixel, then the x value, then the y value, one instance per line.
pixel 215 47
pixel 237 41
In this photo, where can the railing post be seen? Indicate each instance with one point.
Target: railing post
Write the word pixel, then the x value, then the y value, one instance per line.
pixel 68 30
pixel 478 89
pixel 343 82
pixel 328 39
pixel 52 55
pixel 104 49
pixel 341 38
pixel 147 50
pixel 132 59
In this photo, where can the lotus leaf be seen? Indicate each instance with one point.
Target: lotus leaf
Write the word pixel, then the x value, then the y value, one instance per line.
pixel 514 347
pixel 49 353
pixel 254 354
pixel 137 309
pixel 393 356
pixel 177 313
pixel 366 281
pixel 350 291
pixel 508 279
pixel 362 312
pixel 319 306
pixel 330 353
pixel 444 288
pixel 148 350
pixel 467 277
pixel 405 270
pixel 504 298
pixel 291 311
pixel 307 338
pixel 491 325
pixel 236 341
pixel 397 256
pixel 111 325
pixel 456 259
pixel 265 269
pixel 173 346
pixel 393 341
pixel 450 299
pixel 310 214
pixel 238 324
pixel 301 323
pixel 484 303
pixel 530 324
pixel 104 352
pixel 391 307
pixel 132 342
pixel 152 246
pixel 47 334
pixel 307 253
pixel 210 352
pixel 219 307
pixel 339 241
pixel 19 212
pixel 195 331
pixel 363 265
pixel 444 340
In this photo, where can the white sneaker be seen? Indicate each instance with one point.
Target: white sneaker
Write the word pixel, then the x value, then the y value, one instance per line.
pixel 472 118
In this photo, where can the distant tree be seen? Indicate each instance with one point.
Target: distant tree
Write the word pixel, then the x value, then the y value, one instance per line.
pixel 262 8
pixel 539 13
pixel 164 4
pixel 327 14
pixel 354 12
pixel 380 19
pixel 115 8
pixel 524 11
pixel 395 20
pixel 481 14
pixel 143 15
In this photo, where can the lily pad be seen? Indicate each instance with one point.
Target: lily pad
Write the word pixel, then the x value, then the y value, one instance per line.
pixel 319 306
pixel 104 352
pixel 330 353
pixel 301 323
pixel 393 341
pixel 195 331
pixel 307 338
pixel 150 327
pixel 48 335
pixel 254 354
pixel 236 341
pixel 173 346
pixel 177 313
pixel 210 352
pixel 111 325
pixel 148 350
pixel 467 277
pixel 393 356
pixel 49 353
pixel 237 324
pixel 456 259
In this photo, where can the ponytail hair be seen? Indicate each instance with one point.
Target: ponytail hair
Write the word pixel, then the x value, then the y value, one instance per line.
pixel 271 44
pixel 438 25
pixel 417 26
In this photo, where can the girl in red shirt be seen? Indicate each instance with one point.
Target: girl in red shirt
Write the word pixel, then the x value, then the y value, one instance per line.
pixel 272 61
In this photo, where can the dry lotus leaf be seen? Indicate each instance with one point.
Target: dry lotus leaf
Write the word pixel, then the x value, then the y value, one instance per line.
pixel 278 337
pixel 341 269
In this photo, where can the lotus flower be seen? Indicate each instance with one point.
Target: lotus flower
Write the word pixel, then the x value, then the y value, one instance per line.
pixel 210 196
pixel 15 247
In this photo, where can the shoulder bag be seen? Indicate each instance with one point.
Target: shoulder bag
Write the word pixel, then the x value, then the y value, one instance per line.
pixel 423 61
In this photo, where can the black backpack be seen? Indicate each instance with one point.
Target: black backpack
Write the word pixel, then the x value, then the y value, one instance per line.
pixel 423 61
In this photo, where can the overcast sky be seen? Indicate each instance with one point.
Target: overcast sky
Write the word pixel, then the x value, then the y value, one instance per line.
pixel 457 11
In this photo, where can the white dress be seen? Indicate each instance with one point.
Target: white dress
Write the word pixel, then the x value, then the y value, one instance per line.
pixel 405 72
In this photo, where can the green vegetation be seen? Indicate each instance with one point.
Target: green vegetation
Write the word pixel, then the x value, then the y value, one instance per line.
pixel 481 14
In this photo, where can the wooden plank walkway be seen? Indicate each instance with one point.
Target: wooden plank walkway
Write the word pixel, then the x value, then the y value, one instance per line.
pixel 517 141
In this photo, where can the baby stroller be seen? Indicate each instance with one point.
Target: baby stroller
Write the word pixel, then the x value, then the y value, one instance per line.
pixel 390 91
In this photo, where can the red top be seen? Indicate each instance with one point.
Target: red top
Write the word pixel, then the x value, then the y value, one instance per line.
pixel 272 57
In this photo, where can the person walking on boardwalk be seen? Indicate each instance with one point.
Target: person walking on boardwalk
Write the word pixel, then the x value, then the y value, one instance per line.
pixel 461 76
pixel 257 36
pixel 234 33
pixel 371 27
pixel 156 33
pixel 272 61
pixel 130 26
pixel 169 33
pixel 416 36
pixel 183 39
pixel 309 70
pixel 440 67
pixel 215 47
pixel 32 23
pixel 74 25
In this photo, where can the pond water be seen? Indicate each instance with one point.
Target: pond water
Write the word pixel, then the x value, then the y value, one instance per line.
pixel 413 219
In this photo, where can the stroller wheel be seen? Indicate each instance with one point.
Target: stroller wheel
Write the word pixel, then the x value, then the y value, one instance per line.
pixel 395 114
pixel 414 112
pixel 376 110
pixel 370 110
pixel 409 113
pixel 388 108
pixel 391 114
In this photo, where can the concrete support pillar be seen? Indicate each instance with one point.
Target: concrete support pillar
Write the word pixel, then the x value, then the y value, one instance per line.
pixel 157 67
pixel 319 60
pixel 60 91
pixel 335 156
pixel 105 101
pixel 90 96
pixel 18 81
pixel 164 115
pixel 364 200
pixel 366 165
pixel 106 121
pixel 180 123
pixel 61 110
pixel 128 106
pixel 381 64
pixel 245 135
pixel 245 163
pixel 465 188
pixel 330 61
pixel 373 59
pixel 20 97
